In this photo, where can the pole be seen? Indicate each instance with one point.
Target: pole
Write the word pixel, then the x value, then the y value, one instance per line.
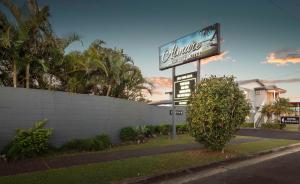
pixel 198 70
pixel 299 115
pixel 173 106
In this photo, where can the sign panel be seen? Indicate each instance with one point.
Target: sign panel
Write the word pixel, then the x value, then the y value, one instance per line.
pixel 178 112
pixel 198 45
pixel 289 119
pixel 184 86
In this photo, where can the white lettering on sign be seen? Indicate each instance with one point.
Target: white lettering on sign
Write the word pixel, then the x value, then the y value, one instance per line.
pixel 200 44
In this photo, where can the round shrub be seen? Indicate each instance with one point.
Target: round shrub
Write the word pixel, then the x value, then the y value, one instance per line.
pixel 29 142
pixel 128 134
pixel 216 110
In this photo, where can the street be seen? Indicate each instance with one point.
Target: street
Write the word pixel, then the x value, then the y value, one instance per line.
pixel 281 170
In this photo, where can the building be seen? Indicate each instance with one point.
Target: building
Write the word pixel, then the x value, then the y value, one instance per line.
pixel 256 92
pixel 295 108
pixel 258 95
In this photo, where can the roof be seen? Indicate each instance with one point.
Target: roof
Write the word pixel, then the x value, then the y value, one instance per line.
pixel 249 81
pixel 271 87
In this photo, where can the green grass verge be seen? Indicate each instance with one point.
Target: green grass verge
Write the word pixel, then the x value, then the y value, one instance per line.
pixel 116 170
pixel 292 127
pixel 151 143
pixel 113 171
pixel 261 145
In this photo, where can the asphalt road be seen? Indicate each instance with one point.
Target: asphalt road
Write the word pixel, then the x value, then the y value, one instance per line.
pixel 281 170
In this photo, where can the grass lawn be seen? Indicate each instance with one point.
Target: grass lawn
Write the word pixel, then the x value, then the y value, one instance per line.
pixel 151 143
pixel 292 127
pixel 117 170
pixel 159 141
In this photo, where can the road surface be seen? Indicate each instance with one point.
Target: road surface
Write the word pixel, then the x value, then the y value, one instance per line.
pixel 280 170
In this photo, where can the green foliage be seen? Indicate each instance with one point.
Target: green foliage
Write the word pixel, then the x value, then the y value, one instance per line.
pixel 182 129
pixel 97 143
pixel 274 125
pixel 33 56
pixel 153 130
pixel 29 142
pixel 216 110
pixel 165 129
pixel 128 134
pixel 280 107
pixel 140 133
pixel 247 125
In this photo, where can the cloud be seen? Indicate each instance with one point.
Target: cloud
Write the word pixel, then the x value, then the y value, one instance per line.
pixel 163 82
pixel 161 85
pixel 282 80
pixel 220 57
pixel 283 57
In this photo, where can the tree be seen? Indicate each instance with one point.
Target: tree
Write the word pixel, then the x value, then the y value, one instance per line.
pixel 29 29
pixel 10 44
pixel 104 71
pixel 216 110
pixel 281 106
pixel 267 110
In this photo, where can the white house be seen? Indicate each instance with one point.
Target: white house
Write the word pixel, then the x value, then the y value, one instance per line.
pixel 256 92
pixel 258 95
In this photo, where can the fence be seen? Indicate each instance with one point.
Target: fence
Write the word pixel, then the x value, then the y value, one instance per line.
pixel 74 115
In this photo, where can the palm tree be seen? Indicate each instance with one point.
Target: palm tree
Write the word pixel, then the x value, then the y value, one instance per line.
pixel 10 44
pixel 267 110
pixel 281 106
pixel 31 26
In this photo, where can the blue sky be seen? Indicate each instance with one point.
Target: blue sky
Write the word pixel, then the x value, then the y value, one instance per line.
pixel 251 30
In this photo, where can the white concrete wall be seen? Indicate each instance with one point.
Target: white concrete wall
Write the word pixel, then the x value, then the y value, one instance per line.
pixel 74 115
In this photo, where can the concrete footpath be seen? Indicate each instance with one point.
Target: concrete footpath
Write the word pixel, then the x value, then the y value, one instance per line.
pixel 41 164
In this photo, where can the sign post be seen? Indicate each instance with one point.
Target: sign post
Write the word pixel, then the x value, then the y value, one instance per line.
pixel 200 44
pixel 198 70
pixel 173 106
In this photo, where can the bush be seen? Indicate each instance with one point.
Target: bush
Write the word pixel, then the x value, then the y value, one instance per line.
pixel 181 129
pixel 29 142
pixel 128 134
pixel 216 110
pixel 97 143
pixel 152 130
pixel 247 125
pixel 274 125
pixel 165 129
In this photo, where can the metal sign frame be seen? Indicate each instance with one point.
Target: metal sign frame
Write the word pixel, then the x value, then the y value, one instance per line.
pixel 198 59
pixel 178 100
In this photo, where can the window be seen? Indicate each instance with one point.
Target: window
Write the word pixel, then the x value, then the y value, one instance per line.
pixel 257 92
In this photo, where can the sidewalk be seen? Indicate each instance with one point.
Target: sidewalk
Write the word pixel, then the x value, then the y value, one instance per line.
pixel 41 164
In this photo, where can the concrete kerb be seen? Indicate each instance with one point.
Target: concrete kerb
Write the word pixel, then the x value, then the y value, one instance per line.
pixel 196 169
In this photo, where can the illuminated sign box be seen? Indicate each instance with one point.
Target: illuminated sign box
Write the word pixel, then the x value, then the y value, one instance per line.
pixel 184 86
pixel 200 44
pixel 290 119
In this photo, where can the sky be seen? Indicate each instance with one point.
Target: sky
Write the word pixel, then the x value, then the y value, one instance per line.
pixel 260 38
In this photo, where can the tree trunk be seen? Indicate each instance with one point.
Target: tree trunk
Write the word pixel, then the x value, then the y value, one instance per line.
pixel 108 90
pixel 14 74
pixel 27 74
pixel 50 82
